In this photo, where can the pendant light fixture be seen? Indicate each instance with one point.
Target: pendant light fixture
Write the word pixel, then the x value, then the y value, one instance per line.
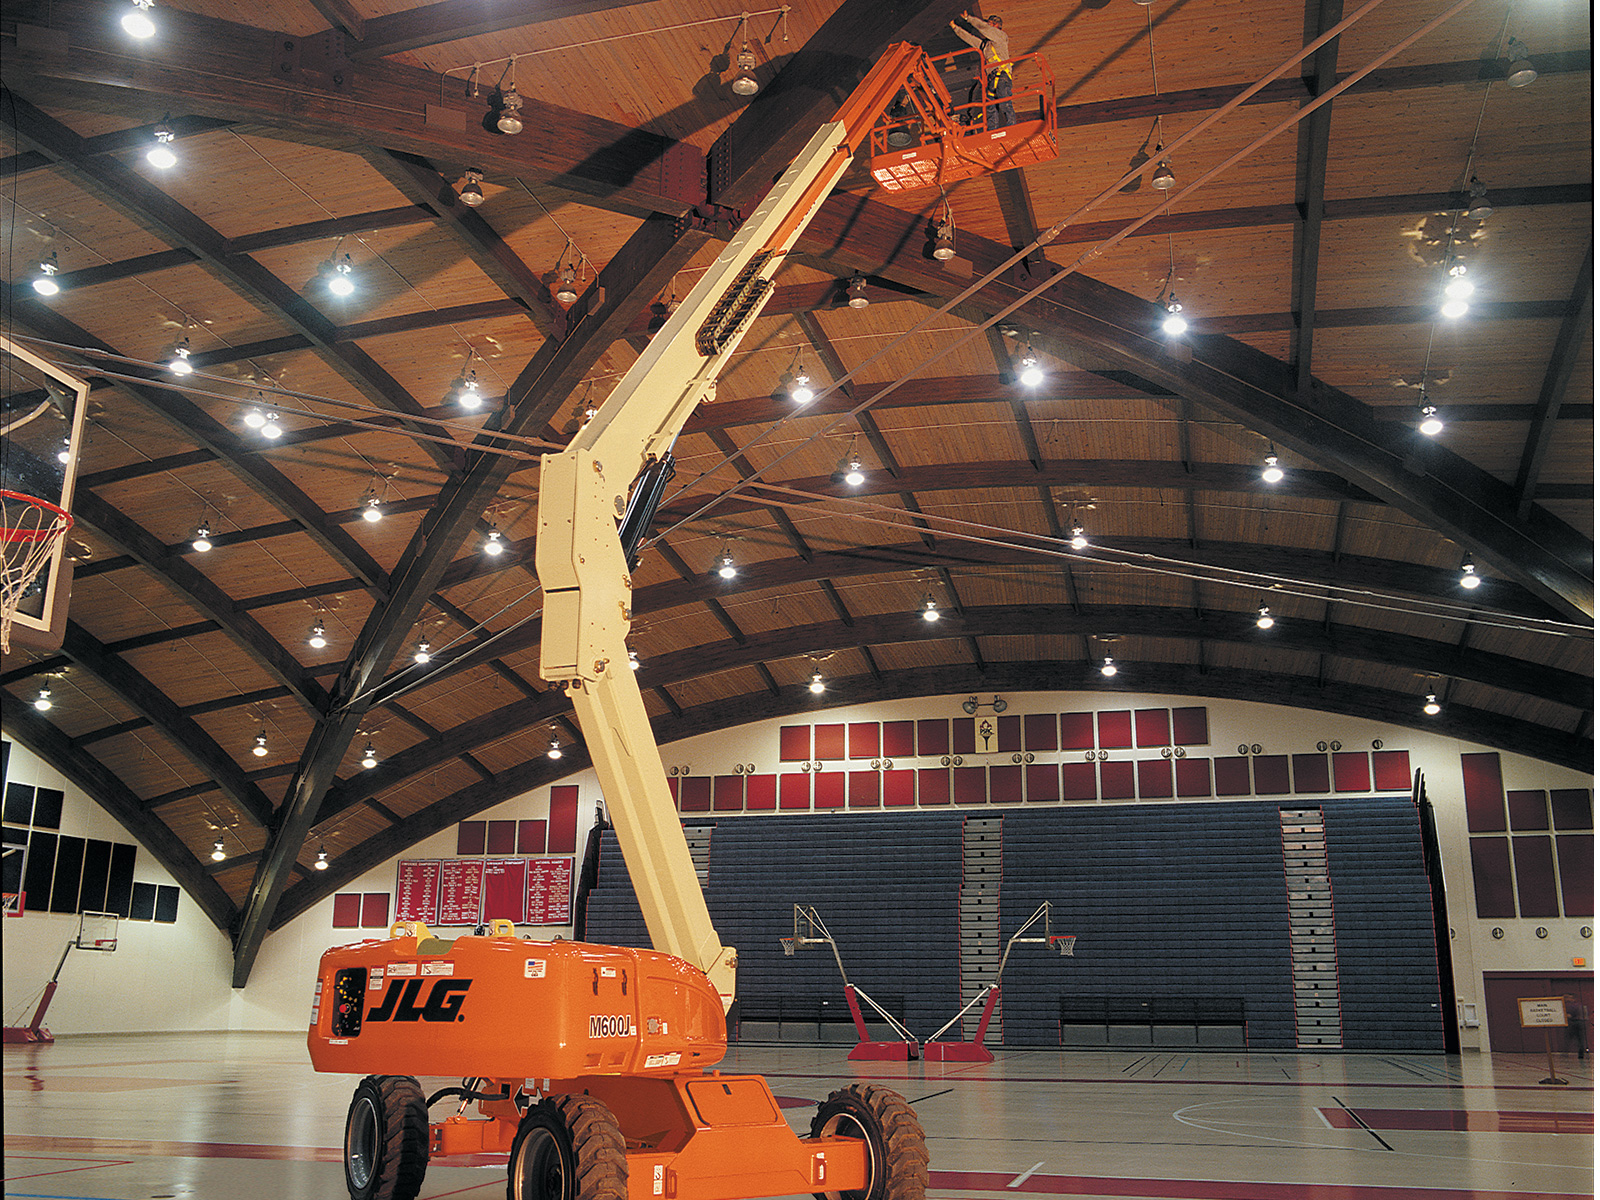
pixel 1430 424
pixel 930 609
pixel 372 509
pixel 724 567
pixel 745 82
pixel 202 538
pixel 857 291
pixel 493 545
pixel 318 638
pixel 1264 617
pixel 423 655
pixel 1271 472
pixel 41 702
pixel 471 187
pixel 161 155
pixel 509 121
pixel 1470 579
pixel 1478 206
pixel 1109 667
pixel 339 281
pixel 1431 705
pixel 555 748
pixel 1520 72
pixel 944 236
pixel 218 853
pixel 179 363
pixel 1029 372
pixel 1174 324
pixel 322 859
pixel 270 428
pixel 1078 539
pixel 44 283
pixel 816 686
pixel 137 23
pixel 369 757
pixel 260 748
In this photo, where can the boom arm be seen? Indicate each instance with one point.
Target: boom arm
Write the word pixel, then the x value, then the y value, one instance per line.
pixel 582 495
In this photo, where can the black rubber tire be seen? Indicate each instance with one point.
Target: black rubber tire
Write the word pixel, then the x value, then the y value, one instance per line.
pixel 897 1149
pixel 568 1148
pixel 386 1139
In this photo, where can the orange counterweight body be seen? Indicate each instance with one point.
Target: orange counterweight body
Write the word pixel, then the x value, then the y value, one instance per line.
pixel 498 1007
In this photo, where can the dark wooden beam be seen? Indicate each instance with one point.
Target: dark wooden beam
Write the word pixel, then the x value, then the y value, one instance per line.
pixel 101 784
pixel 452 20
pixel 1312 169
pixel 1563 360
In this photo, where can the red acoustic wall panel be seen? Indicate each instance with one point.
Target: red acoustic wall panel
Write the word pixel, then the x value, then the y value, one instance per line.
pixel 1536 876
pixel 1310 773
pixel 1044 782
pixel 1152 727
pixel 899 788
pixel 828 791
pixel 502 837
pixel 1233 775
pixel 1527 810
pixel 471 836
pixel 375 910
pixel 727 793
pixel 1079 781
pixel 1190 727
pixel 794 792
pixel 1491 877
pixel 563 832
pixel 694 794
pixel 1484 792
pixel 1039 732
pixel 1391 770
pixel 933 786
pixel 530 837
pixel 1350 772
pixel 1575 856
pixel 864 789
pixel 1272 774
pixel 1010 729
pixel 1194 776
pixel 963 736
pixel 1155 779
pixel 827 742
pixel 794 743
pixel 1077 731
pixel 970 785
pixel 1570 807
pixel 899 739
pixel 865 739
pixel 347 910
pixel 1005 785
pixel 760 793
pixel 933 737
pixel 1115 729
pixel 1116 781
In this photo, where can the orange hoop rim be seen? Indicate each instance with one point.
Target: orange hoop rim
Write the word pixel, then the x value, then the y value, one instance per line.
pixel 10 535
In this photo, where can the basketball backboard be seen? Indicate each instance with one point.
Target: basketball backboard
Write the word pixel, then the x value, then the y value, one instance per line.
pixel 42 409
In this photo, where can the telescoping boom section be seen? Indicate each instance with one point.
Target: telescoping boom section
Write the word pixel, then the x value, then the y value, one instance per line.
pixel 589 1064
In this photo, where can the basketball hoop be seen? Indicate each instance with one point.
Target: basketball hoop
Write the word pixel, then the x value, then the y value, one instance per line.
pixel 788 946
pixel 30 531
pixel 1063 943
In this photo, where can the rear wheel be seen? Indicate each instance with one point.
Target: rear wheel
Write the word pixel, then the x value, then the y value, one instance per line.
pixel 386 1139
pixel 897 1150
pixel 568 1148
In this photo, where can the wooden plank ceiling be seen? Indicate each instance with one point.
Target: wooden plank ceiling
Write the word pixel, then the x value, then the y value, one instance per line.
pixel 1311 273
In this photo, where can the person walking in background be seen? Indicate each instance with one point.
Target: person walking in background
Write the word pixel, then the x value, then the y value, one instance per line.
pixel 988 38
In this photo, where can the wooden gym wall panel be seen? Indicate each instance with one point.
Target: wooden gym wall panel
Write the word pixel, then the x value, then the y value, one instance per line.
pixel 1491 877
pixel 1484 793
pixel 1575 857
pixel 1536 876
pixel 1391 770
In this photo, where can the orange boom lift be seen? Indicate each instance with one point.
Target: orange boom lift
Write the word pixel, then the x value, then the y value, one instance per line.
pixel 588 1064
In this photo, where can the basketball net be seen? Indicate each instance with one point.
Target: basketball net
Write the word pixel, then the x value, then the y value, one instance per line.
pixel 30 530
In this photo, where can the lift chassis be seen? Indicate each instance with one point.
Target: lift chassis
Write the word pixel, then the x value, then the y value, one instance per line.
pixel 589 1064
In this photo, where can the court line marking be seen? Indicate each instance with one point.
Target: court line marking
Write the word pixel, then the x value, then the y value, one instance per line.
pixel 1023 1178
pixel 1360 1122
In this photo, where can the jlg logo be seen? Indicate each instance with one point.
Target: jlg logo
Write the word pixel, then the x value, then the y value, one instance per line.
pixel 400 1001
pixel 609 1026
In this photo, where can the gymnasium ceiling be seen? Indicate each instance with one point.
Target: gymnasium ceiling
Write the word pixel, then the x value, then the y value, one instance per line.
pixel 1311 272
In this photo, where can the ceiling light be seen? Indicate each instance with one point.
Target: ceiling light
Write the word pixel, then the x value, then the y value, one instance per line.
pixel 1458 286
pixel 339 281
pixel 202 538
pixel 1173 324
pixel 64 455
pixel 1453 308
pixel 555 749
pixel 138 23
pixel 493 546
pixel 1520 73
pixel 217 852
pixel 260 748
pixel 849 470
pixel 254 418
pixel 1470 579
pixel 45 284
pixel 160 155
pixel 745 82
pixel 319 636
pixel 857 292
pixel 724 566
pixel 1079 540
pixel 179 363
pixel 1431 424
pixel 472 188
pixel 633 660
pixel 1271 472
pixel 1108 668
pixel 1264 617
pixel 944 240
pixel 422 656
pixel 322 859
pixel 369 757
pixel 1478 206
pixel 930 609
pixel 816 686
pixel 801 392
pixel 510 119
pixel 468 394
pixel 1029 372
pixel 1431 705
pixel 372 510
pixel 1163 180
pixel 270 429
pixel 42 701
pixel 567 293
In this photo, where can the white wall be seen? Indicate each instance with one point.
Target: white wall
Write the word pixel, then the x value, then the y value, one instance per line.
pixel 178 976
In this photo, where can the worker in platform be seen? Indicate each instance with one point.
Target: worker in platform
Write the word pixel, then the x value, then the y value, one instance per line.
pixel 989 39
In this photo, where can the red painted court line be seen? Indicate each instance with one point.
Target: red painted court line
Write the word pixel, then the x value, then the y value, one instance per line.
pixel 1217 1189
pixel 1192 1083
pixel 1461 1120
pixel 154 1149
pixel 92 1166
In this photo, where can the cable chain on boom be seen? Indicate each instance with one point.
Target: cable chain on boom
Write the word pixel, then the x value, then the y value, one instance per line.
pixel 737 305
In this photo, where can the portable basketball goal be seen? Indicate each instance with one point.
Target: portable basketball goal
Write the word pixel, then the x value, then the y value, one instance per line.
pixel 96 931
pixel 809 930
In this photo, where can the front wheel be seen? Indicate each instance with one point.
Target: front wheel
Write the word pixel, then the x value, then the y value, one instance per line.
pixel 897 1149
pixel 568 1148
pixel 386 1139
